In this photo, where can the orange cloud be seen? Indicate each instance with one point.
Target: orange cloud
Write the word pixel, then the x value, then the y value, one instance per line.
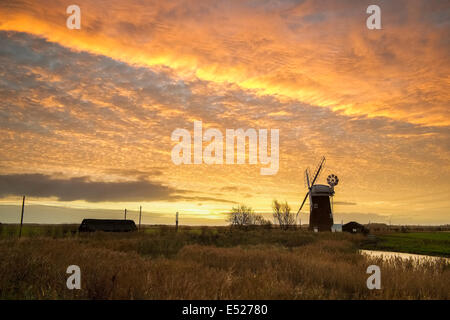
pixel 317 53
pixel 382 119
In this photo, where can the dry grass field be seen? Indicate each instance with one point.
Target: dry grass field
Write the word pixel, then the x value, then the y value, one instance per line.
pixel 207 263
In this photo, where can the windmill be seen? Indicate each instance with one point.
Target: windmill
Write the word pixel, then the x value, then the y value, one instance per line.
pixel 321 215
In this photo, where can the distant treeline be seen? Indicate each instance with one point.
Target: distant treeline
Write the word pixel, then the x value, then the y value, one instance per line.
pixel 381 227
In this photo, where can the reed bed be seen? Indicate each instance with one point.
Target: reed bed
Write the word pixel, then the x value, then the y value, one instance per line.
pixel 209 263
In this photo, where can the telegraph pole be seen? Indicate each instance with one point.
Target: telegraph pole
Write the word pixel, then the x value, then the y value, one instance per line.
pixel 125 214
pixel 140 214
pixel 176 222
pixel 21 217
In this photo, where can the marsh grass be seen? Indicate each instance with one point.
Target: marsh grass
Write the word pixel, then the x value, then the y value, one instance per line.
pixel 429 243
pixel 10 231
pixel 209 263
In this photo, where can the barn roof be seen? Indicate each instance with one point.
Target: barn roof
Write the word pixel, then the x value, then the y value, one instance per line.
pixel 107 225
pixel 353 224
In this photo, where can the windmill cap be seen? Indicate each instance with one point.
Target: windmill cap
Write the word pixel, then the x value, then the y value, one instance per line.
pixel 321 190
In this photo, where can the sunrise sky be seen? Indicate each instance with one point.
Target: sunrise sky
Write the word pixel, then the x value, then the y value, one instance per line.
pixel 86 115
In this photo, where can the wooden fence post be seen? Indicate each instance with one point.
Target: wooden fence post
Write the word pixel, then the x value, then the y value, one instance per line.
pixel 140 214
pixel 21 217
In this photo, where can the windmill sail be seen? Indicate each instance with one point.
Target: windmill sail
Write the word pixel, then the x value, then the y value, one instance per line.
pixel 316 174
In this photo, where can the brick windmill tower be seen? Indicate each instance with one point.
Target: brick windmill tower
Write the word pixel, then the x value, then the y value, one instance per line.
pixel 320 209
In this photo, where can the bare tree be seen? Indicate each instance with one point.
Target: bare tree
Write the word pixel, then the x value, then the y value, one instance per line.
pixel 282 214
pixel 258 220
pixel 240 215
pixel 243 215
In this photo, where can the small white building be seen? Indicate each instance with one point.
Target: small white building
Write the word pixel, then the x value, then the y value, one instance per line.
pixel 336 228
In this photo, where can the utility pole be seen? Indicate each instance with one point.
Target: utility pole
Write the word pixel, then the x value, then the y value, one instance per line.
pixel 21 217
pixel 140 214
pixel 125 214
pixel 176 222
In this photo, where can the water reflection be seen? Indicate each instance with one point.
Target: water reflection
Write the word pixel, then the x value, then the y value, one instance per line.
pixel 387 255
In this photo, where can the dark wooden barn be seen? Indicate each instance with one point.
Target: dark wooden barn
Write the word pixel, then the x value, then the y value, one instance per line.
pixel 106 225
pixel 354 227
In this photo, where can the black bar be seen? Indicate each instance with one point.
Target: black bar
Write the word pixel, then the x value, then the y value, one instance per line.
pixel 232 309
